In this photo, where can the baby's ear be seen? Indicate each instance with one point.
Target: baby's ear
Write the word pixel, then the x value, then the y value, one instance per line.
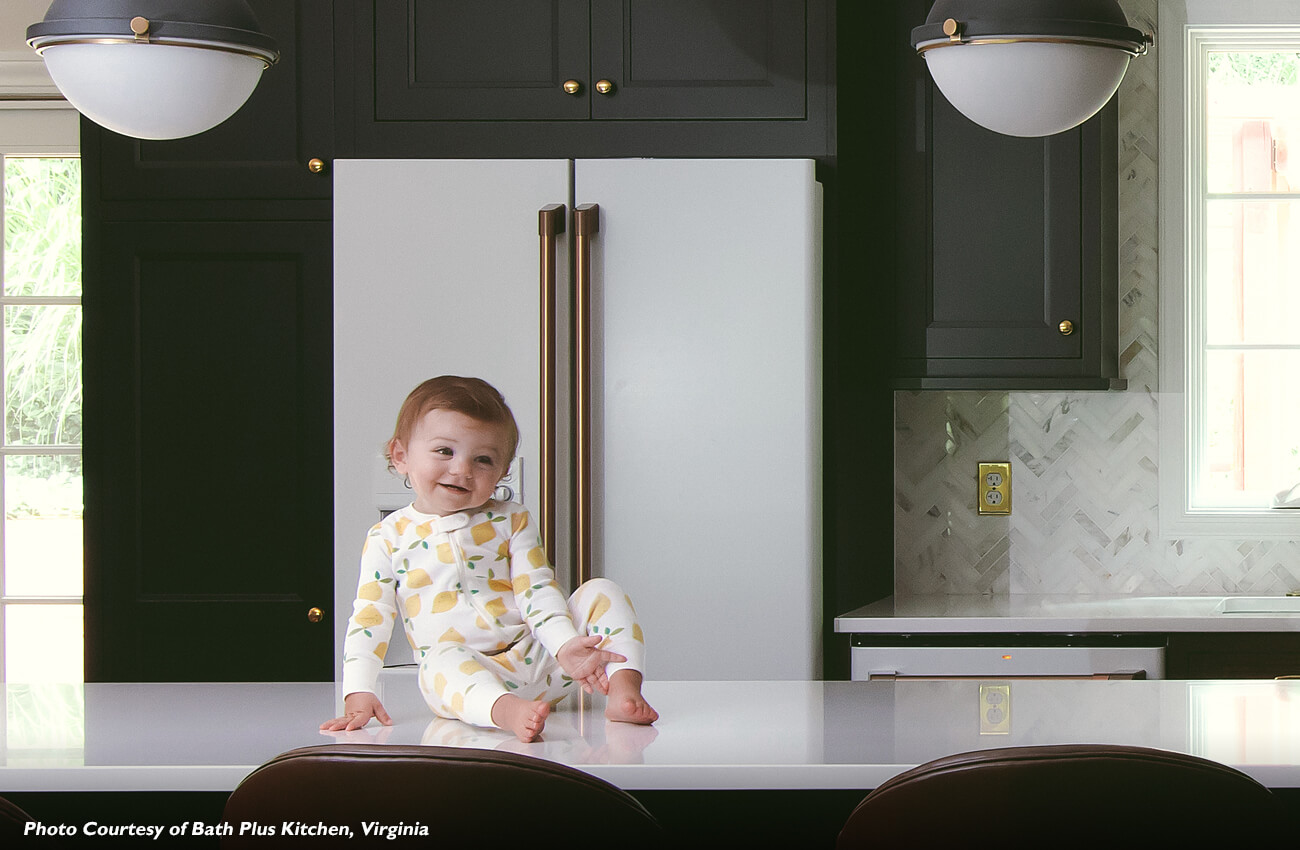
pixel 397 456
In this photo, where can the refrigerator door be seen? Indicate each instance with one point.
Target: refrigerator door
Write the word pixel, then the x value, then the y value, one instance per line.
pixel 435 272
pixel 706 408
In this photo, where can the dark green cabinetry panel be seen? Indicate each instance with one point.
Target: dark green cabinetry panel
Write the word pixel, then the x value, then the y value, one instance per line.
pixel 263 150
pixel 1239 655
pixel 1001 239
pixel 208 452
pixel 453 78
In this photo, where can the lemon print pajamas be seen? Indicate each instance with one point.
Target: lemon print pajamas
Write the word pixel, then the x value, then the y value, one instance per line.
pixel 481 609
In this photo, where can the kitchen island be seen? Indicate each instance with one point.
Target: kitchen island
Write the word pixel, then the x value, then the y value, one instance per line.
pixel 711 735
pixel 782 761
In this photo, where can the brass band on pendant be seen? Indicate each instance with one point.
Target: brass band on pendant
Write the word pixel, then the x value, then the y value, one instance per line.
pixel 220 47
pixel 1045 39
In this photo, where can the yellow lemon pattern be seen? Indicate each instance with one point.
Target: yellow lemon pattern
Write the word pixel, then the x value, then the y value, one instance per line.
pixel 464 589
pixel 368 617
pixel 483 532
pixel 599 606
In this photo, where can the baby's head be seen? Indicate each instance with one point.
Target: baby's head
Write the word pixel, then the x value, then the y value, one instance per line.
pixel 472 397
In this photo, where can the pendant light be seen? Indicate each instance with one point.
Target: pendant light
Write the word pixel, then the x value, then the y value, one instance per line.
pixel 1028 67
pixel 154 69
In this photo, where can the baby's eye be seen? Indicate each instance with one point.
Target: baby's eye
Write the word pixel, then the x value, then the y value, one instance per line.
pixel 485 460
pixel 442 450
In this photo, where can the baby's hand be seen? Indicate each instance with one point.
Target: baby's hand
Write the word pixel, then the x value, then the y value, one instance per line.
pixel 585 664
pixel 358 708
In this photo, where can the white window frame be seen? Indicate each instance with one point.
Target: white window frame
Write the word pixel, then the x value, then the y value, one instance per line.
pixel 1186 29
pixel 46 129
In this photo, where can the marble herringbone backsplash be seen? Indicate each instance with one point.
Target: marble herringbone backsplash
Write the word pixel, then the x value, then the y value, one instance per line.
pixel 1083 465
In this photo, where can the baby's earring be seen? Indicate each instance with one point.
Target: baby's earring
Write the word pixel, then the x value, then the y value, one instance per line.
pixel 406 481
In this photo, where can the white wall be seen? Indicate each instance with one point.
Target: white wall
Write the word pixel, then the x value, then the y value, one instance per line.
pixel 21 71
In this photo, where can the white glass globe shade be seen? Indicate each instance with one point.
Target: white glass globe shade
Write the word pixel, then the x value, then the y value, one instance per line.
pixel 153 91
pixel 1027 88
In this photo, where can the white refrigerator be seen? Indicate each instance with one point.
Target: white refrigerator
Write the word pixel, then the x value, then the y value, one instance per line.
pixel 661 352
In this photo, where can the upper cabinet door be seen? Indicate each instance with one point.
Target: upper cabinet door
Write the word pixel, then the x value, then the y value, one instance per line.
pixel 466 79
pixel 1007 251
pixel 263 151
pixel 699 58
pixel 440 60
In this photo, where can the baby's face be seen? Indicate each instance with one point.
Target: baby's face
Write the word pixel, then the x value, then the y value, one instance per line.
pixel 453 461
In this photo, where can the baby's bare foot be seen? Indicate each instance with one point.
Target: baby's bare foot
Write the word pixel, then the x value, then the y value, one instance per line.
pixel 525 719
pixel 625 701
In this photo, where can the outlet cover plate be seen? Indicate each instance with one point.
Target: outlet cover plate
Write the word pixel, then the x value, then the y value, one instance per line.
pixel 995 709
pixel 994 489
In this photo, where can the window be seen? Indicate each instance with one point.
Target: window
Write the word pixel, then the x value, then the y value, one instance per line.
pixel 1230 268
pixel 40 556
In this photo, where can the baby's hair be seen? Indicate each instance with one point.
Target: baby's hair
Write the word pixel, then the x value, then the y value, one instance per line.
pixel 473 397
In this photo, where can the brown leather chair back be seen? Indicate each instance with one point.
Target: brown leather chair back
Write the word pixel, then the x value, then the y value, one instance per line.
pixel 460 795
pixel 1064 795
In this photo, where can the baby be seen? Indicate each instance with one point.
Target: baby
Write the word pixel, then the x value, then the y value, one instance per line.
pixel 496 641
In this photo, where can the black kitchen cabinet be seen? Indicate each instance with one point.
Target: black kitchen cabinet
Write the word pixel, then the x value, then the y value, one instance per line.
pixel 1235 655
pixel 264 150
pixel 645 77
pixel 1007 257
pixel 208 450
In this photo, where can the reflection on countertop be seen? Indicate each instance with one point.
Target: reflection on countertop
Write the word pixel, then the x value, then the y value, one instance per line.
pixel 711 735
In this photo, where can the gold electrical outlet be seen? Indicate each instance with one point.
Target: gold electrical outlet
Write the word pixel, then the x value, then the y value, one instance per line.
pixel 995 488
pixel 995 709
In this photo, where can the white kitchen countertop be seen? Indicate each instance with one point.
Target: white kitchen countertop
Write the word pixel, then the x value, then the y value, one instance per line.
pixel 711 735
pixel 939 613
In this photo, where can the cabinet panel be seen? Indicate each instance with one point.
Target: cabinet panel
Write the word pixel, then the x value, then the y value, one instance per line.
pixel 208 445
pixel 262 151
pixel 1005 269
pixel 700 59
pixel 451 60
pixel 1001 239
pixel 463 80
pixel 1233 656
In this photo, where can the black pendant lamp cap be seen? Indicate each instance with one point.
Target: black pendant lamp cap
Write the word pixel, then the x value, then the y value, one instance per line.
pixel 221 21
pixel 1083 20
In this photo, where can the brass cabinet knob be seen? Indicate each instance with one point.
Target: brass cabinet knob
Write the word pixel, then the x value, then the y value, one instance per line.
pixel 315 615
pixel 1067 327
pixel 572 86
pixel 604 87
pixel 315 165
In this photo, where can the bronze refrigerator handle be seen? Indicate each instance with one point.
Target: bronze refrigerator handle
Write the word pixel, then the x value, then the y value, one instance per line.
pixel 586 224
pixel 550 223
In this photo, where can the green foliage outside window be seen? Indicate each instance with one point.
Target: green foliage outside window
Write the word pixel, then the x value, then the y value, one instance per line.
pixel 42 343
pixel 1278 69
